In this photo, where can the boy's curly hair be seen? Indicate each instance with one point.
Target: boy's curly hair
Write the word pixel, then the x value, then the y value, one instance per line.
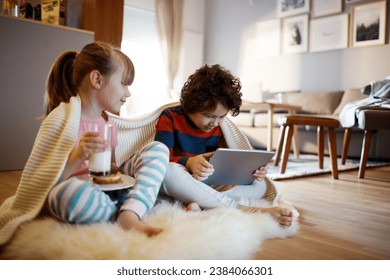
pixel 207 87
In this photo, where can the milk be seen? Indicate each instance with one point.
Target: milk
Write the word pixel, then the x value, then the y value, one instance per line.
pixel 100 163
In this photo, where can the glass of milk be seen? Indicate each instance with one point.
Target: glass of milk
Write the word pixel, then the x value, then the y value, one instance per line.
pixel 100 163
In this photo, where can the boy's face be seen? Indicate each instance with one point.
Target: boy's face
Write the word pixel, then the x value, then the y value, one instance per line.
pixel 209 119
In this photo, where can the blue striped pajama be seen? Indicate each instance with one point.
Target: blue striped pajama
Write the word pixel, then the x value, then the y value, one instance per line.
pixel 78 201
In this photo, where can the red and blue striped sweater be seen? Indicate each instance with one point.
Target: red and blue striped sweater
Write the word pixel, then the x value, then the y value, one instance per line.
pixel 175 129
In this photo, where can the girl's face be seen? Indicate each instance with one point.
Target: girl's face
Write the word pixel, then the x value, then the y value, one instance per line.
pixel 209 119
pixel 114 92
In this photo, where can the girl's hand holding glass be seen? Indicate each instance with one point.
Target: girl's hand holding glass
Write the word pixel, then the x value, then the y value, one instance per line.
pixel 91 142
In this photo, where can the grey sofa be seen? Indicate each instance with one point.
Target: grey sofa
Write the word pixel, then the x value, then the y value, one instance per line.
pixel 254 124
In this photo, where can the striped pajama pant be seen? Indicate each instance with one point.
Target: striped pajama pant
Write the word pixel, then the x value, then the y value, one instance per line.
pixel 79 201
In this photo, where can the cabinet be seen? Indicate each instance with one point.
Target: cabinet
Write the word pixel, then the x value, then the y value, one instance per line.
pixel 27 51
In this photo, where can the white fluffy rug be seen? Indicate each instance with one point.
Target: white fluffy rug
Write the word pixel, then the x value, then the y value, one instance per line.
pixel 213 234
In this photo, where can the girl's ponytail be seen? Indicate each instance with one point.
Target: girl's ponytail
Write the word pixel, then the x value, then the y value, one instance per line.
pixel 59 84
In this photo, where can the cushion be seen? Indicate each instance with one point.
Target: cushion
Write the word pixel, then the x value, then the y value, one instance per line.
pixel 374 119
pixel 242 119
pixel 261 120
pixel 323 103
pixel 349 95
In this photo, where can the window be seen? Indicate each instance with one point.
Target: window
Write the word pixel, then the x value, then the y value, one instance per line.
pixel 140 42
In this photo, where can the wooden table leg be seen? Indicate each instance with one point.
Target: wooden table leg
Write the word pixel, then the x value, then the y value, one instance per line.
pixel 346 140
pixel 270 129
pixel 280 145
pixel 364 155
pixel 286 148
pixel 320 146
pixel 295 136
pixel 333 151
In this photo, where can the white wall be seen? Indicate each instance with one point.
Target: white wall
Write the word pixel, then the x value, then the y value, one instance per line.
pixel 230 40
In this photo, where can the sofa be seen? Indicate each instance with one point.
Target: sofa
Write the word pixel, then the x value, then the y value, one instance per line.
pixel 254 123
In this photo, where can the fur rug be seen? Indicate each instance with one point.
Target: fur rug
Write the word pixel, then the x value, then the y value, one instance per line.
pixel 214 234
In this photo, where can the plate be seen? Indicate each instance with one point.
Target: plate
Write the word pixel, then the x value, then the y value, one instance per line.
pixel 126 182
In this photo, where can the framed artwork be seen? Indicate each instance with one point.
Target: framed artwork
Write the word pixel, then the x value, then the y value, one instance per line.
pixel 295 34
pixel 268 38
pixel 286 8
pixel 326 7
pixel 369 24
pixel 329 33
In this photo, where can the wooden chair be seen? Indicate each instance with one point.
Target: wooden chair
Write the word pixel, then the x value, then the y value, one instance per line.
pixel 289 122
pixel 370 120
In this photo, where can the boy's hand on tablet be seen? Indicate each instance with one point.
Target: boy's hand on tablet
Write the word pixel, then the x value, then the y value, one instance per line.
pixel 199 166
pixel 260 173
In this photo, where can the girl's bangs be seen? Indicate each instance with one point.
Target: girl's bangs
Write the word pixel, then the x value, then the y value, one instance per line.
pixel 128 73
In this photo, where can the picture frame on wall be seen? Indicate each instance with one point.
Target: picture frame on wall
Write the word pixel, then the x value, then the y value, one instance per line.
pixel 286 8
pixel 329 33
pixel 369 24
pixel 295 34
pixel 326 7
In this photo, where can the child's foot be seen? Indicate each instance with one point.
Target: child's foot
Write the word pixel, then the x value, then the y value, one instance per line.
pixel 129 220
pixel 282 215
pixel 194 207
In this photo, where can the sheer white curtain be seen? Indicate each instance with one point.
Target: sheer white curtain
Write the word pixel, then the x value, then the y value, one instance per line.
pixel 140 42
pixel 169 15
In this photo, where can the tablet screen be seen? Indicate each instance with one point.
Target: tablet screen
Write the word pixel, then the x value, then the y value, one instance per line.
pixel 235 167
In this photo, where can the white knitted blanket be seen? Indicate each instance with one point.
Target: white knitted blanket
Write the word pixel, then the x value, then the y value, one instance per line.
pixel 379 99
pixel 53 144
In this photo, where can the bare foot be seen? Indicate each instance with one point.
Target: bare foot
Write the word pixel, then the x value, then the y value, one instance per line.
pixel 194 207
pixel 282 215
pixel 129 220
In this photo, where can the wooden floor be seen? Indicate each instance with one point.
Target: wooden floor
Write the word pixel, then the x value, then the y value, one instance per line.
pixel 340 219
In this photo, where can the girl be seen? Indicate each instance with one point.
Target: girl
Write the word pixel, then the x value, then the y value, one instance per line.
pixel 81 88
pixel 192 133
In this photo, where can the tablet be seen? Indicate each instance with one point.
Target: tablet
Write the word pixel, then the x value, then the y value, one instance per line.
pixel 235 167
